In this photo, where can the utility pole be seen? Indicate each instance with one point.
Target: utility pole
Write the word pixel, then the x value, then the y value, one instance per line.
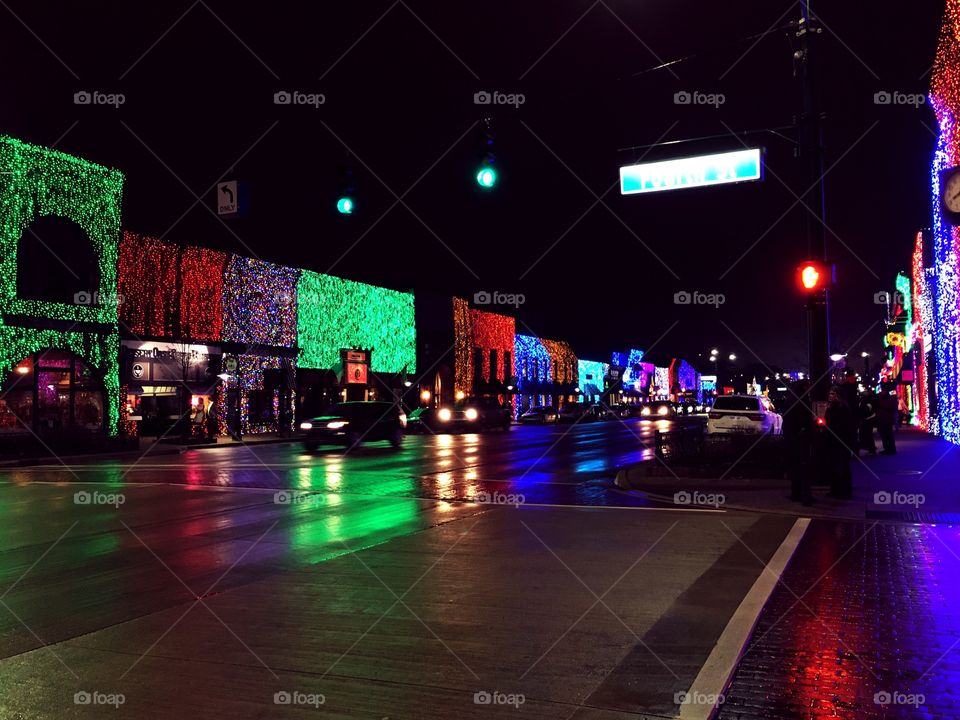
pixel 811 153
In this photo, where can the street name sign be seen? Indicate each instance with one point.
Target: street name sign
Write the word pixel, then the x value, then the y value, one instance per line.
pixel 692 172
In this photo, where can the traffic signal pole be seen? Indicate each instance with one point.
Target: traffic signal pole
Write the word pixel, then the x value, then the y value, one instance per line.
pixel 811 152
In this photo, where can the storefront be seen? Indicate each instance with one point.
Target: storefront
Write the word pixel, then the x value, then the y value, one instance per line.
pixel 167 384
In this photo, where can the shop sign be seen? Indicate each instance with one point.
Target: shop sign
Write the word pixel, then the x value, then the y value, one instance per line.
pixel 356 373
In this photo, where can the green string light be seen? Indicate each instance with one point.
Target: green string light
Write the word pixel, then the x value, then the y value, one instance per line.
pixel 36 182
pixel 333 313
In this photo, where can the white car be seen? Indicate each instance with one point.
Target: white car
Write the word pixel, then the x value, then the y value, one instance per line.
pixel 746 414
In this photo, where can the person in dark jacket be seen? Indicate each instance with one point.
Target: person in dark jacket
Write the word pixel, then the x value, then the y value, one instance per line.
pixel 867 416
pixel 849 389
pixel 886 418
pixel 799 430
pixel 839 439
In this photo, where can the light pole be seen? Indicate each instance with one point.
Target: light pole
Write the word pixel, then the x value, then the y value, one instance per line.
pixel 811 150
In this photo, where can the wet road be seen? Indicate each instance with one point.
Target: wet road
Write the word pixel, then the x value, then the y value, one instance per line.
pixel 552 464
pixel 370 577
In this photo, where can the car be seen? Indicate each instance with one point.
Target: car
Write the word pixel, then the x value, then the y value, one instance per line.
pixel 746 414
pixel 690 408
pixel 539 415
pixel 658 410
pixel 628 411
pixel 575 412
pixel 470 415
pixel 351 423
pixel 484 413
pixel 600 411
pixel 437 420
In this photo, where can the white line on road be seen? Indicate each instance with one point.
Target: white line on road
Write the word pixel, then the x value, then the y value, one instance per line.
pixel 722 662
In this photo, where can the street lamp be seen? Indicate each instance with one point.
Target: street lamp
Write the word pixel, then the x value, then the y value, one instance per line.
pixel 713 358
pixel 732 357
pixel 714 352
pixel 864 354
pixel 837 357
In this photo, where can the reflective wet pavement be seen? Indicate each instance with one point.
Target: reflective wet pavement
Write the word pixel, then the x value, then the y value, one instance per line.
pixel 865 624
pixel 556 464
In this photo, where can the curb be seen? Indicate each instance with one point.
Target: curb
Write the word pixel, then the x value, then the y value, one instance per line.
pixel 158 449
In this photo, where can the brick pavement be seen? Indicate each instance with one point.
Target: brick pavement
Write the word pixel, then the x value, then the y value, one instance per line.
pixel 878 618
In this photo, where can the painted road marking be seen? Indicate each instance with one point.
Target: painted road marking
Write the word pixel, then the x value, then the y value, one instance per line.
pixel 718 670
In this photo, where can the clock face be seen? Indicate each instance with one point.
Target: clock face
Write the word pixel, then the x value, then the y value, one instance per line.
pixel 951 192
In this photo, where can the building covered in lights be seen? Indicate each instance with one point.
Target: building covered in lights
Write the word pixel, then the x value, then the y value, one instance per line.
pixel 547 373
pixel 59 342
pixel 260 343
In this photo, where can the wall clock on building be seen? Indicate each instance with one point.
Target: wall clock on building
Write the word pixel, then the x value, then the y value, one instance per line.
pixel 950 195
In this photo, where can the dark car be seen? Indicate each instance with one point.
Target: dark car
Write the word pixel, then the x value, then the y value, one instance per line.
pixel 659 410
pixel 539 415
pixel 486 413
pixel 437 420
pixel 599 411
pixel 351 423
pixel 576 412
pixel 628 410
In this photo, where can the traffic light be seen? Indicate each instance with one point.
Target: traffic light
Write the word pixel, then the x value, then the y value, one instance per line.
pixel 346 202
pixel 814 276
pixel 487 173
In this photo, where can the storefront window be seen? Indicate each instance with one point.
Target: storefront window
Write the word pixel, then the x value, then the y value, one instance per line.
pixel 51 391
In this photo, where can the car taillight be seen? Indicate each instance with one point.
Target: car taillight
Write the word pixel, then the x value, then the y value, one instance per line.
pixel 755 417
pixel 714 415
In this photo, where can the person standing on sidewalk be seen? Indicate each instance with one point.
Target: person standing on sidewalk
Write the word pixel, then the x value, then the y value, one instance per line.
pixel 886 418
pixel 867 414
pixel 839 439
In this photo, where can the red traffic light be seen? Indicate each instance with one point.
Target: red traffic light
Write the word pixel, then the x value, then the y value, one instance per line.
pixel 814 275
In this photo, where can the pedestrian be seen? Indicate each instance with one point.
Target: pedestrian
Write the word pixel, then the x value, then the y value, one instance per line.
pixel 839 439
pixel 867 415
pixel 799 429
pixel 212 422
pixel 849 389
pixel 886 418
pixel 198 419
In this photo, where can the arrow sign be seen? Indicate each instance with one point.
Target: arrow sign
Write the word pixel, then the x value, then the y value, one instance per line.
pixel 227 198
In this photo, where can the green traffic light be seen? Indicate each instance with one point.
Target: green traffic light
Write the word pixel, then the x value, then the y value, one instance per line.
pixel 487 177
pixel 345 205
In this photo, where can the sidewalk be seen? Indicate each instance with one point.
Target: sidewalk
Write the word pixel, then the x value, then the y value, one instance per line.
pixel 865 623
pixel 919 484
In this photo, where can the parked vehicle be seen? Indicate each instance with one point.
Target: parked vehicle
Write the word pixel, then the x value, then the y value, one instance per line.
pixel 539 415
pixel 575 412
pixel 746 414
pixel 659 410
pixel 625 411
pixel 352 423
pixel 602 412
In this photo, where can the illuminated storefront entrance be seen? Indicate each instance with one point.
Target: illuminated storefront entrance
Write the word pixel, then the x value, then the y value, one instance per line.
pixel 49 392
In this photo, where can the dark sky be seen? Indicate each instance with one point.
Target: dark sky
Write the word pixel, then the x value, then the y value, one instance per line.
pixel 399 80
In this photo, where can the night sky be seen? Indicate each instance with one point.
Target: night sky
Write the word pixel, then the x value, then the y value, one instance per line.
pixel 399 80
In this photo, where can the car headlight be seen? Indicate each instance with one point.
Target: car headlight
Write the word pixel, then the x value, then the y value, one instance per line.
pixel 645 412
pixel 664 410
pixel 471 414
pixel 444 415
pixel 336 424
pixel 306 426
